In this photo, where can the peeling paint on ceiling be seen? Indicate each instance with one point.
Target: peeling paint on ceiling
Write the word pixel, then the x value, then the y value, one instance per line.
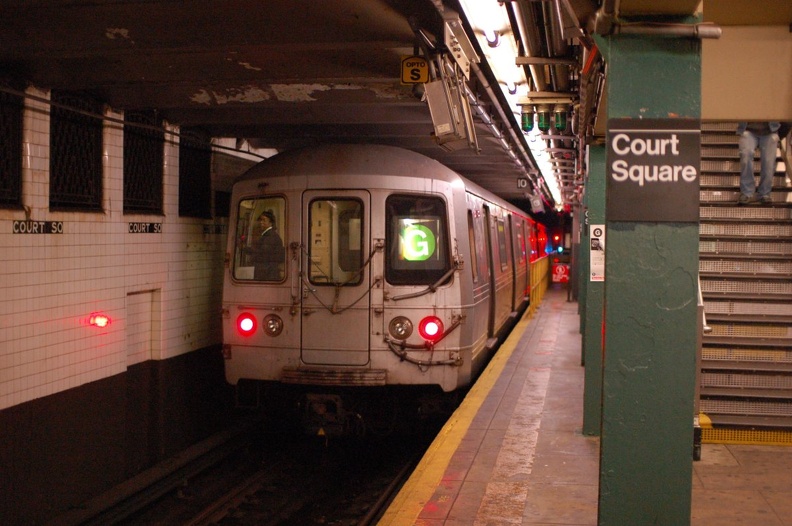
pixel 118 32
pixel 247 94
pixel 297 92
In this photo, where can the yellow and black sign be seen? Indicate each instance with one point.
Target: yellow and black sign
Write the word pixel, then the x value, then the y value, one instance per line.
pixel 414 70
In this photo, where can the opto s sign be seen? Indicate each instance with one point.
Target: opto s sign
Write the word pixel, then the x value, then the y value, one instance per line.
pixel 653 170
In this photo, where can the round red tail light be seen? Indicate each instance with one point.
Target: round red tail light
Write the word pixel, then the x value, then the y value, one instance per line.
pixel 431 328
pixel 246 324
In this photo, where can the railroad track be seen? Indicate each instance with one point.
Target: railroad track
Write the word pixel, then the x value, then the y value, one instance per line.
pixel 342 485
pixel 244 477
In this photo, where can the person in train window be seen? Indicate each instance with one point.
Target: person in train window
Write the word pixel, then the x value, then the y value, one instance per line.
pixel 763 135
pixel 267 250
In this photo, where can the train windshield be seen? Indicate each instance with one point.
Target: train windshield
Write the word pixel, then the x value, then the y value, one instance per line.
pixel 259 253
pixel 417 240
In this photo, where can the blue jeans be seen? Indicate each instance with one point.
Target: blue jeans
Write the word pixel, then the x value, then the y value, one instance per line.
pixel 767 145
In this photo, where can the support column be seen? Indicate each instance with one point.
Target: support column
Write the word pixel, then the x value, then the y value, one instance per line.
pixel 595 295
pixel 650 307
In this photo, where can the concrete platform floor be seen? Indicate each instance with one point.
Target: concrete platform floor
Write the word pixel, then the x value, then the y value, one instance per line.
pixel 515 453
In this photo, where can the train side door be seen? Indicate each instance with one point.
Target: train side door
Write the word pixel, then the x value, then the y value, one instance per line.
pixel 335 278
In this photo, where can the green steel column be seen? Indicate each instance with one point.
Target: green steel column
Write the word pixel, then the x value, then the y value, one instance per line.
pixel 650 309
pixel 595 295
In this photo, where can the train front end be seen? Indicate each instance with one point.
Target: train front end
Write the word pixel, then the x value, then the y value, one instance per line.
pixel 360 305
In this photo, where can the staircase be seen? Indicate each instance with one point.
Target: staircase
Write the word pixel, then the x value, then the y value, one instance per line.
pixel 745 271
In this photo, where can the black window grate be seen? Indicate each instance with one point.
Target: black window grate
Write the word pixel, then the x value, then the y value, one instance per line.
pixel 75 152
pixel 143 162
pixel 11 115
pixel 195 178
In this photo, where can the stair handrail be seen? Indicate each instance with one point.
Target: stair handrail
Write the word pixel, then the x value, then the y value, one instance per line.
pixel 703 329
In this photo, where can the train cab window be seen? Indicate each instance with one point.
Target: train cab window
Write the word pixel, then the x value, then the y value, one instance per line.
pixel 259 252
pixel 335 241
pixel 416 240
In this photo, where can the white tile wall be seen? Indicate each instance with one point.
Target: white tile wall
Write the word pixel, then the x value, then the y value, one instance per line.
pixel 162 291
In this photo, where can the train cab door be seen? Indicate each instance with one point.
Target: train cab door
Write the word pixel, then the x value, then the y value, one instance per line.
pixel 335 278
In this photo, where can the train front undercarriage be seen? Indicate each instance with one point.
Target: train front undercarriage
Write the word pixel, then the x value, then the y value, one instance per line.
pixel 348 411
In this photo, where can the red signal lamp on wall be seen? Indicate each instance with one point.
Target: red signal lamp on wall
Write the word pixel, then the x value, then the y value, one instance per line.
pixel 99 319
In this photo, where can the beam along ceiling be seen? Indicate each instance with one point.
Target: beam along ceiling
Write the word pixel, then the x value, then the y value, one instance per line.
pixel 287 73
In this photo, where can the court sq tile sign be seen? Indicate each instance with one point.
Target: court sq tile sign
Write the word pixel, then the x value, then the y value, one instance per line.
pixel 653 170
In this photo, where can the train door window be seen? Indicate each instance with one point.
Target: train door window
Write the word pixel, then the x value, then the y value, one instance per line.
pixel 504 257
pixel 473 245
pixel 259 252
pixel 416 240
pixel 519 240
pixel 335 241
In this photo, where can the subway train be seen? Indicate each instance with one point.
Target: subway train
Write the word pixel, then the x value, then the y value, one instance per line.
pixel 363 281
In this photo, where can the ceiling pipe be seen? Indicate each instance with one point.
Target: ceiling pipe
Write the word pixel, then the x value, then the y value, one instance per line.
pixel 700 31
pixel 556 46
pixel 526 20
pixel 605 22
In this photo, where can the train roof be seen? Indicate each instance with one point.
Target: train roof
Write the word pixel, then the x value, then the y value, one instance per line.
pixel 361 159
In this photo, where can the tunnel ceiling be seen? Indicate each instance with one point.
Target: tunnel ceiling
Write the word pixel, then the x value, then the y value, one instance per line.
pixel 290 73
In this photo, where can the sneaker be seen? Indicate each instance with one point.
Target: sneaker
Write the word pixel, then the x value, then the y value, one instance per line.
pixel 746 199
pixel 766 200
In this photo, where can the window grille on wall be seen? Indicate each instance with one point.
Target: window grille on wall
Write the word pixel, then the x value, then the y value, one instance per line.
pixel 11 111
pixel 195 179
pixel 75 152
pixel 143 162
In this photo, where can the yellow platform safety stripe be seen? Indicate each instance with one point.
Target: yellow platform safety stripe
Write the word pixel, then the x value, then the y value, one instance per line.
pixel 420 487
pixel 711 434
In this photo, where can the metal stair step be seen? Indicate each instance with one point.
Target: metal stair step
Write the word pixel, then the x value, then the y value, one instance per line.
pixel 728 307
pixel 730 179
pixel 778 289
pixel 780 356
pixel 770 269
pixel 710 127
pixel 747 247
pixel 746 230
pixel 733 212
pixel 747 407
pixel 746 392
pixel 775 382
pixel 765 367
pixel 750 421
pixel 738 329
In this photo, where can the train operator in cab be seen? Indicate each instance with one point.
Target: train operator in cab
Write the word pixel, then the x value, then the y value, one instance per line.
pixel 267 250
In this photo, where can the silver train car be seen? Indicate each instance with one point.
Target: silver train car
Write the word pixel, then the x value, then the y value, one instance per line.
pixel 356 269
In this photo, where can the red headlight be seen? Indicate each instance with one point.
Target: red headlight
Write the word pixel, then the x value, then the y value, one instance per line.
pixel 430 328
pixel 246 324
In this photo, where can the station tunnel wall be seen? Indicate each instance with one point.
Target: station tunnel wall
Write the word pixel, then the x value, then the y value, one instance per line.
pixel 84 407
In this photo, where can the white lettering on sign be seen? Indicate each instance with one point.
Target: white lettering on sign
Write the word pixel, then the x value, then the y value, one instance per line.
pixel 653 168
pixel 145 228
pixel 623 144
pixel 664 173
pixel 636 147
pixel 38 227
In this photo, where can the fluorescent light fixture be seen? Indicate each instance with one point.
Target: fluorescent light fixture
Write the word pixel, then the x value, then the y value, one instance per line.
pixel 488 18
